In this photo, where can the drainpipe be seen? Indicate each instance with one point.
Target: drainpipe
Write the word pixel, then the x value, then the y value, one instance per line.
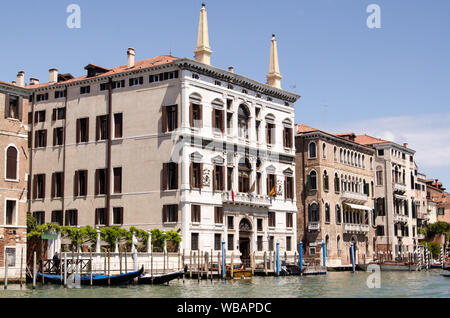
pixel 30 177
pixel 110 172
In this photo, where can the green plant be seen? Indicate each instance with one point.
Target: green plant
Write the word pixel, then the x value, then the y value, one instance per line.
pixel 434 248
pixel 112 234
pixel 438 228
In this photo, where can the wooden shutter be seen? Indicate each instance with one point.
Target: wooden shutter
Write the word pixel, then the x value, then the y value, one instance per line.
pixel 164 177
pixel 45 138
pixel 201 115
pixel 164 119
pixel 78 131
pixel 35 187
pixel 214 118
pixel 176 213
pixel 11 163
pixel 43 187
pixel 76 184
pixel 164 213
pixel 6 105
pixel 97 182
pixel 223 121
pixel 192 213
pixel 20 106
pixel 223 179
pixel 191 175
pixel 87 129
pixel 66 218
pixel 53 194
pixel 96 216
pixel 308 184
pixel 97 133
pixel 117 180
pixel 176 116
pixel 118 124
pixel 62 183
pixel 176 175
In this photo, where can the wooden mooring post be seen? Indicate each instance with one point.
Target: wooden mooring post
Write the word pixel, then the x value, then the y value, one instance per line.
pixel 190 265
pixel 184 264
pixel 65 269
pixel 218 265
pixel 126 261
pixel 21 267
pixel 265 263
pixel 211 262
pixel 232 265
pixel 109 269
pixel 90 267
pixel 34 270
pixel 198 266
pixel 120 261
pixel 6 271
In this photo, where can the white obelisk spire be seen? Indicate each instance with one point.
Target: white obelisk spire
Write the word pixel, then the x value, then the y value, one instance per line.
pixel 274 77
pixel 203 51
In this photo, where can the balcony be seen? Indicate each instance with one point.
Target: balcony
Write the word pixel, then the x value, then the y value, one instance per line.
pixel 314 226
pixel 253 200
pixel 353 197
pixel 356 228
pixel 399 218
pixel 399 187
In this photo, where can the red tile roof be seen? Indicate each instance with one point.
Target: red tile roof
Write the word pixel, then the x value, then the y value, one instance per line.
pixel 369 140
pixel 154 61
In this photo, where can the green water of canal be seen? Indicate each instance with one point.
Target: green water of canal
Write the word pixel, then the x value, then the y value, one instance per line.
pixel 336 284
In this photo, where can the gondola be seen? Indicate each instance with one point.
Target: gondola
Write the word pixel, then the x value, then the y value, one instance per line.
pixel 97 280
pixel 446 275
pixel 160 279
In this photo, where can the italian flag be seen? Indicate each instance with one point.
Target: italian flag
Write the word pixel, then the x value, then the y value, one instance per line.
pixel 232 189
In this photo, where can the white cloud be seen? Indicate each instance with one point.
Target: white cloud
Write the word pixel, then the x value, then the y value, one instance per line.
pixel 428 135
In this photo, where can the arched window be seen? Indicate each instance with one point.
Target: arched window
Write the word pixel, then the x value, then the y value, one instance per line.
pixel 11 163
pixel 243 120
pixel 312 150
pixel 327 246
pixel 339 248
pixel 313 213
pixel 337 183
pixel 312 180
pixel 326 182
pixel 341 156
pixel 245 170
pixel 324 151
pixel 327 213
pixel 335 154
pixel 371 163
pixel 338 214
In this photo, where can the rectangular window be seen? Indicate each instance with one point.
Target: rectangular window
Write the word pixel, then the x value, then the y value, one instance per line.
pixel 271 183
pixel 380 153
pixel 289 220
pixel 260 225
pixel 288 243
pixel 40 117
pixel 85 90
pixel 258 183
pixel 259 243
pixel 170 214
pixel 217 242
pixel 287 137
pixel 102 128
pixel 270 134
pixel 40 217
pixel 230 222
pixel 118 125
pixel 100 181
pixel 196 175
pixel 41 139
pixel 218 120
pixel 59 114
pixel 230 242
pixel 230 178
pixel 71 218
pixel 194 241
pixel 83 130
pixel 196 116
pixel 118 216
pixel 271 243
pixel 60 94
pixel 58 185
pixel 10 212
pixel 57 217
pixel 13 106
pixel 117 180
pixel 219 181
pixel 272 219
pixel 170 176
pixel 39 186
pixel 229 123
pixel 218 215
pixel 118 84
pixel 136 81
pixel 195 213
pixel 380 230
pixel 42 97
pixel 80 183
pixel 58 136
pixel 101 217
pixel 289 191
pixel 169 118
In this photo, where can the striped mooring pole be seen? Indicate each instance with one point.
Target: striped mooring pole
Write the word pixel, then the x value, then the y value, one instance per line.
pixel 301 257
pixel 427 257
pixel 442 257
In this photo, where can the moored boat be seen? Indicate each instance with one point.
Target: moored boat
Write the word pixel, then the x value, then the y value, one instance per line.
pixel 160 278
pixel 392 266
pixel 97 279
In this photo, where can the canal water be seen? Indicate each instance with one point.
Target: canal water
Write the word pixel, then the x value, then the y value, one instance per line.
pixel 334 285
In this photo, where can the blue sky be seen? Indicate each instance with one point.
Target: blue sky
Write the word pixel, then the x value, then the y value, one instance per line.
pixel 391 82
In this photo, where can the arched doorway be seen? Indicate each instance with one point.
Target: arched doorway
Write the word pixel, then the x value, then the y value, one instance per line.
pixel 245 234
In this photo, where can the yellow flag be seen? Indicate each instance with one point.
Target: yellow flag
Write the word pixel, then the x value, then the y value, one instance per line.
pixel 273 193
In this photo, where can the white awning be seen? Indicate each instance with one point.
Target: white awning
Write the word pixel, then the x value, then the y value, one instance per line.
pixel 358 207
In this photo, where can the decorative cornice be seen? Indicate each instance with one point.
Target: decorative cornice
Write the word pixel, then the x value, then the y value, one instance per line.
pixel 236 79
pixel 13 89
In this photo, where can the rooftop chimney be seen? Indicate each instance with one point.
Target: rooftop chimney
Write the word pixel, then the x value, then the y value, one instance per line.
pixel 231 69
pixel 131 54
pixel 34 81
pixel 52 76
pixel 21 79
pixel 405 145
